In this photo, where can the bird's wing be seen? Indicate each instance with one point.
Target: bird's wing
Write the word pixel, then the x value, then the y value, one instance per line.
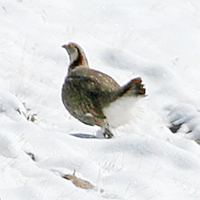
pixel 81 103
pixel 85 91
pixel 88 92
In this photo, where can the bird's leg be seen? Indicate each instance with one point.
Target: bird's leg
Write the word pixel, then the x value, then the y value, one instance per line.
pixel 107 133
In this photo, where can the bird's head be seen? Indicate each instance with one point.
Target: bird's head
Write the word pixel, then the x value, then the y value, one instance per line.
pixel 76 55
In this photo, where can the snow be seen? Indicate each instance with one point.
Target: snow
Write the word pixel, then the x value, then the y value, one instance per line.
pixel 155 40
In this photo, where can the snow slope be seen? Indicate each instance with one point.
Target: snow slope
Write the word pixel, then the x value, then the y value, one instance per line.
pixel 156 40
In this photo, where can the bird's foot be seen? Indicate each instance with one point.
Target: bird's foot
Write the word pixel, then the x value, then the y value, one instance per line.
pixel 107 133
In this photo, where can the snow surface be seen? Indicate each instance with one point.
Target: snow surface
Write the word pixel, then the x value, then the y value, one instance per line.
pixel 156 40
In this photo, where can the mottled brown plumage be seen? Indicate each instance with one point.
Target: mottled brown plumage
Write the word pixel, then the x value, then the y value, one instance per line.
pixel 86 92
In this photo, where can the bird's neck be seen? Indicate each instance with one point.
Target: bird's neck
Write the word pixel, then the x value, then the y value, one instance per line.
pixel 77 60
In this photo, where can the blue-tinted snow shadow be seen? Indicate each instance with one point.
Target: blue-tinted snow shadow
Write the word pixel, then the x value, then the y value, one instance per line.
pixel 86 136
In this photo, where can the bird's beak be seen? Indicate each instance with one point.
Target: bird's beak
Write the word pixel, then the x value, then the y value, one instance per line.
pixel 64 46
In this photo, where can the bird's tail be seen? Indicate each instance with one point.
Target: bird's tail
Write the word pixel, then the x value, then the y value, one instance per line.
pixel 132 88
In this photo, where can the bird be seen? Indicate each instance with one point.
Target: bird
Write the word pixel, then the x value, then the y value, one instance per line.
pixel 93 97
